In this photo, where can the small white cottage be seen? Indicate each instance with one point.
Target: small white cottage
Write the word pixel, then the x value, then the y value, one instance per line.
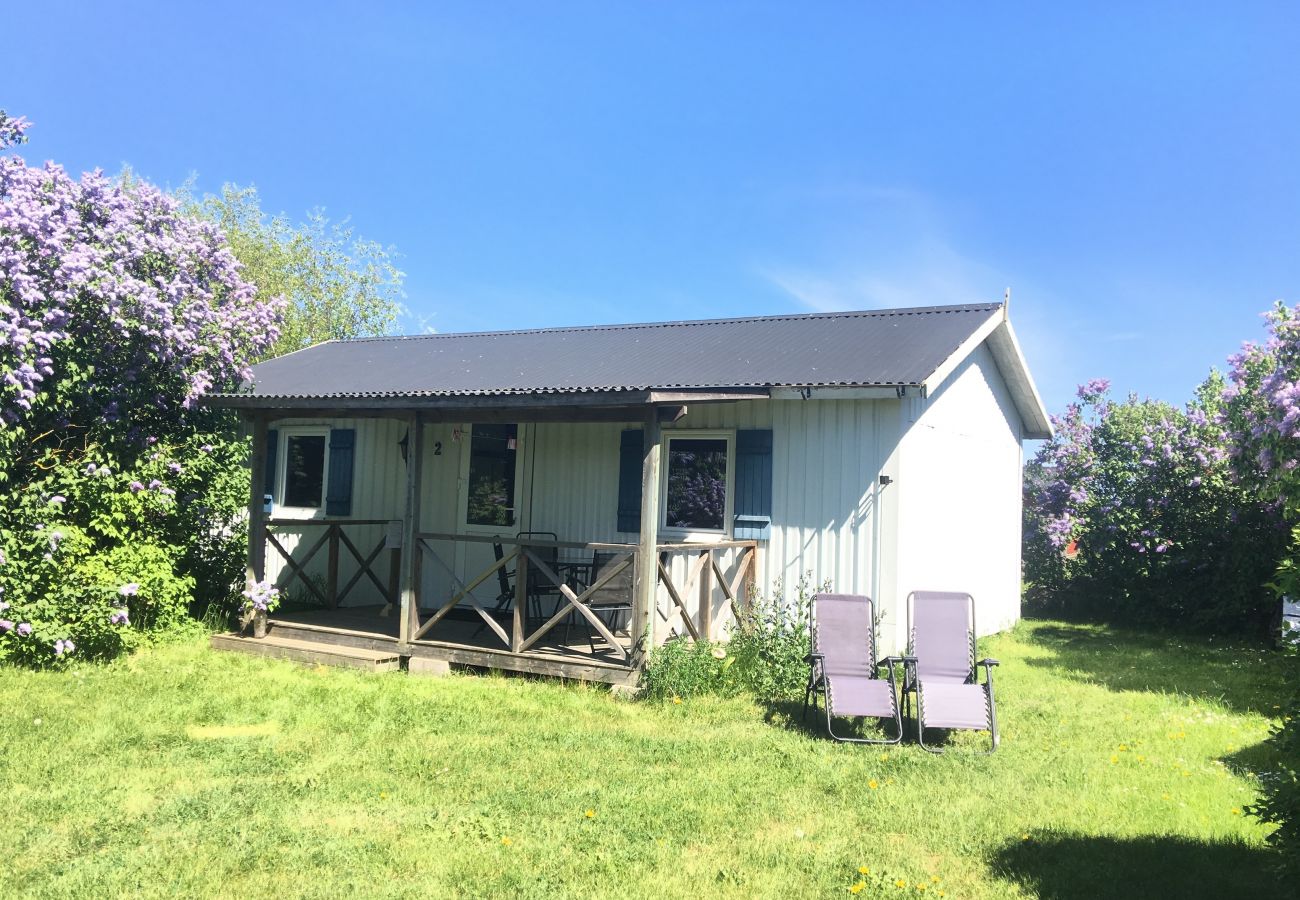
pixel 559 500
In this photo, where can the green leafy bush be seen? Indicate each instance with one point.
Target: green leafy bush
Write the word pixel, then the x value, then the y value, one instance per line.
pixel 684 668
pixel 766 656
pixel 102 550
pixel 1279 801
pixel 771 641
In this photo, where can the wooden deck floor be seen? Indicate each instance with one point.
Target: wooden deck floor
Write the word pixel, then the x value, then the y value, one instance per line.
pixel 460 640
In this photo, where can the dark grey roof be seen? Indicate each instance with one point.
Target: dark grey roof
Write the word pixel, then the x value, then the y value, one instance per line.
pixel 889 347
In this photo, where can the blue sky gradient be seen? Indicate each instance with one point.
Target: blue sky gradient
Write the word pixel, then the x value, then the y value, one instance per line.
pixel 1129 170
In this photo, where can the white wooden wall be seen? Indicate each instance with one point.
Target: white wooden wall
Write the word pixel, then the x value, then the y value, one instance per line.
pixel 958 496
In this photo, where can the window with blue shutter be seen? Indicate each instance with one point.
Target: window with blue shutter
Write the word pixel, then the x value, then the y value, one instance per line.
pixel 630 454
pixel 753 501
pixel 338 496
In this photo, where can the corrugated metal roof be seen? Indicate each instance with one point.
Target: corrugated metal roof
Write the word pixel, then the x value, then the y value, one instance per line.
pixel 868 348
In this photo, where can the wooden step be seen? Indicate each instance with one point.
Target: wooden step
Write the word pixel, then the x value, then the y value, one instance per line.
pixel 313 652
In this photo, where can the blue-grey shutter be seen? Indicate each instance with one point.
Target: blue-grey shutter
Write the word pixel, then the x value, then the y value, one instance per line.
pixel 630 454
pixel 272 452
pixel 338 494
pixel 753 501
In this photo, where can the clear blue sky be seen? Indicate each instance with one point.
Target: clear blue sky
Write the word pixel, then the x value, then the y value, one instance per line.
pixel 1132 174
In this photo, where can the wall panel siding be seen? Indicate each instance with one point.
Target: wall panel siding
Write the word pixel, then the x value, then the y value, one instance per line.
pixel 959 490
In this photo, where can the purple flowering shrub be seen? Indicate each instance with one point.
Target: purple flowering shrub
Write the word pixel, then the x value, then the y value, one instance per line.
pixel 1133 514
pixel 117 314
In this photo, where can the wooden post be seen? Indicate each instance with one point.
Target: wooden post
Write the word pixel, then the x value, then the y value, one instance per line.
pixel 519 620
pixel 706 599
pixel 410 529
pixel 645 597
pixel 256 569
pixel 332 571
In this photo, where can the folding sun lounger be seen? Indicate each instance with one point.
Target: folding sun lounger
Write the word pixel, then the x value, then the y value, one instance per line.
pixel 843 665
pixel 940 666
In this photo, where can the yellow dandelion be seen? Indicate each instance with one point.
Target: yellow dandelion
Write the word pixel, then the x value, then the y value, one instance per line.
pixel 590 814
pixel 940 894
pixel 1235 811
pixel 900 883
pixel 506 842
pixel 936 879
pixel 921 885
pixel 863 870
pixel 677 700
pixel 873 784
pixel 884 757
pixel 857 887
pixel 1164 796
pixel 383 795
pixel 1114 759
pixel 1123 748
pixel 1024 837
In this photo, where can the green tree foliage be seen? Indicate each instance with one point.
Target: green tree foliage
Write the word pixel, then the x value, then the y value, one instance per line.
pixel 337 285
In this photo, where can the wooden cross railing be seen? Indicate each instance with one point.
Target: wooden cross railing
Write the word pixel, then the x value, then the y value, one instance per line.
pixel 526 556
pixel 705 569
pixel 335 538
pixel 720 571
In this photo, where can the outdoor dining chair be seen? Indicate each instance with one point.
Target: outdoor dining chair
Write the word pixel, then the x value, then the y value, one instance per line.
pixel 940 666
pixel 844 669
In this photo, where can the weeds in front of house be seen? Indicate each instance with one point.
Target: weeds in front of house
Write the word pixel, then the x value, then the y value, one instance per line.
pixel 766 656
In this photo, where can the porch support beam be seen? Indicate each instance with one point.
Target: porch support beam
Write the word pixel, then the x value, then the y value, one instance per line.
pixel 256 568
pixel 647 555
pixel 410 609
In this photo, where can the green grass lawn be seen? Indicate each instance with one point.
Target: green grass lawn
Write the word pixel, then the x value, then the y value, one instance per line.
pixel 1124 770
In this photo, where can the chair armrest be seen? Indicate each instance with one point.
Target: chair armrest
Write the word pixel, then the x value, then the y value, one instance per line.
pixel 988 665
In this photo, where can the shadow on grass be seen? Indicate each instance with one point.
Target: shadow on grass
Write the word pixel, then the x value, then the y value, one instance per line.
pixel 788 714
pixel 1245 677
pixel 1075 867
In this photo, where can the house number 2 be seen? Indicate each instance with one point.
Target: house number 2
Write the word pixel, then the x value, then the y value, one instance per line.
pixel 437 448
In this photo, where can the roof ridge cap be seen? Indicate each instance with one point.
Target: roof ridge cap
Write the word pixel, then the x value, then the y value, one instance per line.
pixel 683 323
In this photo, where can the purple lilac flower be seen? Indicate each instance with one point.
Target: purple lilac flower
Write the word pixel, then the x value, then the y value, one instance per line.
pixel 155 484
pixel 130 589
pixel 118 618
pixel 136 487
pixel 6 625
pixel 61 647
pixel 206 448
pixel 174 467
pixel 24 629
pixel 58 500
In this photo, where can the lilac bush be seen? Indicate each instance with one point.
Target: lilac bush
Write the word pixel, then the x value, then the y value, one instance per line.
pixel 117 314
pixel 1133 513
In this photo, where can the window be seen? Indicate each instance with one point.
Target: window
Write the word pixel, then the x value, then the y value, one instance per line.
pixel 303 469
pixel 697 482
pixel 490 499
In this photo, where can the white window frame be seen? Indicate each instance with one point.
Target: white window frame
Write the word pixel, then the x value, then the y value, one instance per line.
pixel 692 535
pixel 283 509
pixel 467 453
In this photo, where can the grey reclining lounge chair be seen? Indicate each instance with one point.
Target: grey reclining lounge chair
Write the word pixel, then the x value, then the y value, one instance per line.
pixel 843 665
pixel 940 666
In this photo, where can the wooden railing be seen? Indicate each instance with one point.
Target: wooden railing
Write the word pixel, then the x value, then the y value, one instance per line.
pixel 708 567
pixel 335 538
pixel 705 569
